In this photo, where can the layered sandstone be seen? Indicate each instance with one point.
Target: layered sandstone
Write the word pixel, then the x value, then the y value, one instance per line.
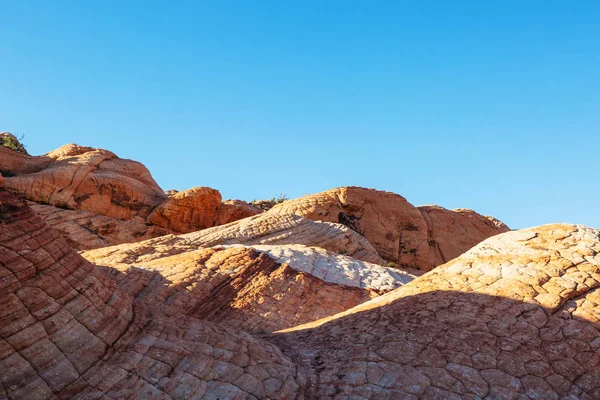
pixel 82 178
pixel 262 229
pixel 68 331
pixel 515 317
pixel 85 230
pixel 411 237
pixel 453 232
pixel 257 289
pixel 234 210
pixel 188 211
pixel 199 208
pixel 117 199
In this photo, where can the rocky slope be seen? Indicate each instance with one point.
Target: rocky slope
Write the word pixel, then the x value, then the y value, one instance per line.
pixel 68 331
pixel 104 191
pixel 263 229
pixel 420 238
pixel 257 289
pixel 114 200
pixel 515 317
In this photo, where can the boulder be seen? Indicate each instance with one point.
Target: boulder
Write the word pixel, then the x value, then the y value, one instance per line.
pixel 189 210
pixel 233 210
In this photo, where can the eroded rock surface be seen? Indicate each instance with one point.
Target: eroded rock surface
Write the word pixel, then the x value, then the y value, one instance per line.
pixel 266 228
pixel 234 210
pixel 391 224
pixel 188 211
pixel 515 317
pixel 82 178
pixel 68 331
pixel 412 237
pixel 453 232
pixel 84 230
pixel 259 289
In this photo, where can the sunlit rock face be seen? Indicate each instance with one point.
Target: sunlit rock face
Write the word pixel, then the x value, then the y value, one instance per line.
pixel 68 331
pixel 413 237
pixel 517 316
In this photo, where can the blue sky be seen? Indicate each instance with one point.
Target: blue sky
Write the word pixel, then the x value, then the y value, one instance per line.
pixel 487 105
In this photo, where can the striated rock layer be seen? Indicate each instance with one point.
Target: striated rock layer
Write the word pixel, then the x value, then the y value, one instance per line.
pixel 517 317
pixel 68 331
pixel 257 230
pixel 87 179
pixel 453 232
pixel 249 288
pixel 116 200
pixel 420 238
pixel 84 230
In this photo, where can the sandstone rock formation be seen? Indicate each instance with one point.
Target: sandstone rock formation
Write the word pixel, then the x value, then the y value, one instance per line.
pixel 259 289
pixel 84 230
pixel 83 178
pixel 390 223
pixel 233 210
pixel 118 200
pixel 400 232
pixel 515 317
pixel 453 232
pixel 188 211
pixel 67 331
pixel 266 228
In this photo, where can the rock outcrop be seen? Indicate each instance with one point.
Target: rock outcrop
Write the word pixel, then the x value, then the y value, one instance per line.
pixel 234 210
pixel 82 178
pixel 106 193
pixel 188 211
pixel 391 224
pixel 260 289
pixel 84 230
pixel 199 208
pixel 515 317
pixel 409 236
pixel 68 331
pixel 262 229
pixel 453 232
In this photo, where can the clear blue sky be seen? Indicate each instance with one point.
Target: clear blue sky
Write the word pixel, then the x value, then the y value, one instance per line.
pixel 488 105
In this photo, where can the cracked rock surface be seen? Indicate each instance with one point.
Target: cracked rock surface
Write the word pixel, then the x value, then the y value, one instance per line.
pixel 68 331
pixel 516 317
pixel 262 229
pixel 85 230
pixel 412 237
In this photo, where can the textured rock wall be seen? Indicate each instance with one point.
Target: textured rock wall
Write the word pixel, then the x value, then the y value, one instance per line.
pixel 68 331
pixel 278 229
pixel 516 317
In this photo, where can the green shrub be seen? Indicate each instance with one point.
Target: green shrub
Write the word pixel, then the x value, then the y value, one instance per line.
pixel 10 141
